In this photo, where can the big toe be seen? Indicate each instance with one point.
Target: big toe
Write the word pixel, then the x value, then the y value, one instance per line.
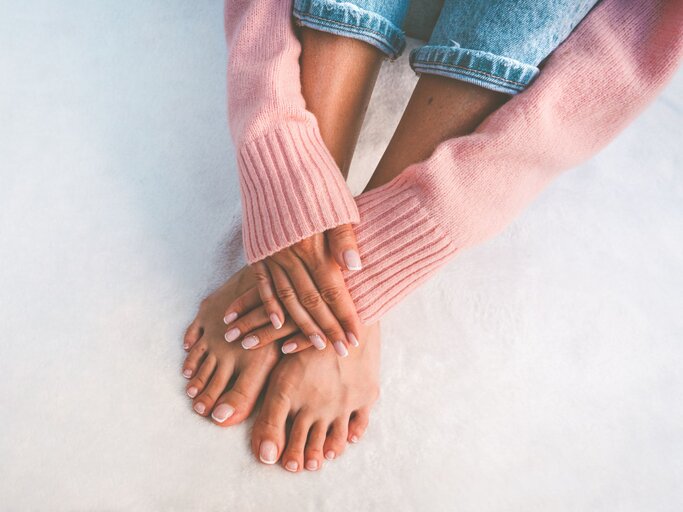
pixel 236 404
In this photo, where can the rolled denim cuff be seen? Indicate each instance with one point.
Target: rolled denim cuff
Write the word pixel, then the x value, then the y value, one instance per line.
pixel 348 20
pixel 485 69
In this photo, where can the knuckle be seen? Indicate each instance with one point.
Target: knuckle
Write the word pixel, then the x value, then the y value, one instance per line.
pixel 332 295
pixel 286 293
pixel 311 300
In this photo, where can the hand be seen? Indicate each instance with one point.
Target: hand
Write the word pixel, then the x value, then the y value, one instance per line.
pixel 306 279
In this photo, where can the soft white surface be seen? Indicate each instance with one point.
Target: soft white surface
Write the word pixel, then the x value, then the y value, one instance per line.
pixel 541 371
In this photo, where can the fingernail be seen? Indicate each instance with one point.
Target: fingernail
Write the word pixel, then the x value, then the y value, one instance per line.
pixel 352 339
pixel 288 347
pixel 292 466
pixel 275 320
pixel 232 334
pixel 230 317
pixel 317 341
pixel 340 348
pixel 354 439
pixel 222 412
pixel 187 373
pixel 192 392
pixel 268 452
pixel 329 455
pixel 249 342
pixel 352 260
pixel 199 407
pixel 311 465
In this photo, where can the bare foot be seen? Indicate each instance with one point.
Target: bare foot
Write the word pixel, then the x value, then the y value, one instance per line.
pixel 328 400
pixel 212 362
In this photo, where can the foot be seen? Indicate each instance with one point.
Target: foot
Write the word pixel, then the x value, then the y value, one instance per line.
pixel 327 399
pixel 212 363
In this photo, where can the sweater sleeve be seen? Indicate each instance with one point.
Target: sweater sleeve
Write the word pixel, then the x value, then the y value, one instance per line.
pixel 290 185
pixel 470 188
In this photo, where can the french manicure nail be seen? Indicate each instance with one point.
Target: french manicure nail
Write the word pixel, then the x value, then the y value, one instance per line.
pixel 268 452
pixel 288 347
pixel 232 334
pixel 354 439
pixel 275 320
pixel 340 348
pixel 312 465
pixel 222 412
pixel 230 317
pixel 199 407
pixel 329 455
pixel 317 341
pixel 292 466
pixel 192 392
pixel 352 260
pixel 352 339
pixel 249 342
pixel 187 373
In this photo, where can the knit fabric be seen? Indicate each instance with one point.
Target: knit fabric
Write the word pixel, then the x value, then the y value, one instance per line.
pixel 470 188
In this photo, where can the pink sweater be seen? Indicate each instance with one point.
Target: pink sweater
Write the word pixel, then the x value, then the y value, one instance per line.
pixel 471 187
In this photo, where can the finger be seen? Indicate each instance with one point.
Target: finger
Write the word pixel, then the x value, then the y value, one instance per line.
pixel 265 286
pixel 295 344
pixel 268 334
pixel 247 322
pixel 245 302
pixel 342 243
pixel 296 310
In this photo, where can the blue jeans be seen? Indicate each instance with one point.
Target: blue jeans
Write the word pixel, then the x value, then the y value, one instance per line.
pixel 496 44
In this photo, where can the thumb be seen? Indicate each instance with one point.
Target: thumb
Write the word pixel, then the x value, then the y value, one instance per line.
pixel 342 243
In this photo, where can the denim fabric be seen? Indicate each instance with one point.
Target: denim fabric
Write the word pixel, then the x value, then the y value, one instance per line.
pixel 496 44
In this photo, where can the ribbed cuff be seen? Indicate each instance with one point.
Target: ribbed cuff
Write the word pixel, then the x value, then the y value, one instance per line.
pixel 400 245
pixel 291 189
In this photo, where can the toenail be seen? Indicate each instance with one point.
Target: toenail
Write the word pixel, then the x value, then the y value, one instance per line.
pixel 329 455
pixel 199 407
pixel 288 347
pixel 249 342
pixel 230 317
pixel 187 373
pixel 268 452
pixel 317 341
pixel 292 465
pixel 340 348
pixel 311 465
pixel 352 339
pixel 222 412
pixel 275 320
pixel 354 439
pixel 192 392
pixel 232 334
pixel 186 346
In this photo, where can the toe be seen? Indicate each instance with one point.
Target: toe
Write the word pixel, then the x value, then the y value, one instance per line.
pixel 268 434
pixel 293 457
pixel 202 376
pixel 335 442
pixel 313 454
pixel 358 424
pixel 236 404
pixel 207 399
pixel 192 334
pixel 197 353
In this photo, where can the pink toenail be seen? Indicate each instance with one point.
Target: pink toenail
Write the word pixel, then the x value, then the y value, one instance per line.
pixel 192 392
pixel 288 347
pixel 275 320
pixel 249 342
pixel 230 317
pixel 232 334
pixel 352 339
pixel 268 452
pixel 292 465
pixel 317 341
pixel 187 373
pixel 311 465
pixel 354 439
pixel 330 455
pixel 340 348
pixel 199 407
pixel 222 412
pixel 186 346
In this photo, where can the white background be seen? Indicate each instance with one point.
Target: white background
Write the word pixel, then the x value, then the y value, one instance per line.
pixel 540 371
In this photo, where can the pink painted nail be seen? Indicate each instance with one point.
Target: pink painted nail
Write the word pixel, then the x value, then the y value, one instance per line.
pixel 192 392
pixel 199 407
pixel 232 334
pixel 249 342
pixel 329 455
pixel 354 439
pixel 268 452
pixel 352 260
pixel 312 465
pixel 222 412
pixel 275 320
pixel 292 466
pixel 317 341
pixel 352 339
pixel 288 347
pixel 340 348
pixel 187 373
pixel 230 317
